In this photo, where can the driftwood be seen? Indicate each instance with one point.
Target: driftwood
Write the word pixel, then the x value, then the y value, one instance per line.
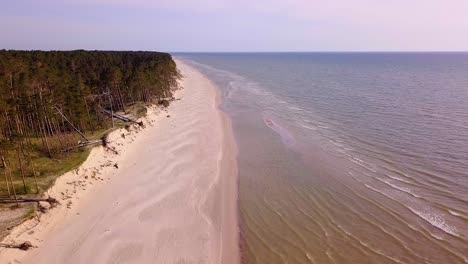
pixel 23 246
pixel 105 144
pixel 112 149
pixel 50 200
pixel 120 117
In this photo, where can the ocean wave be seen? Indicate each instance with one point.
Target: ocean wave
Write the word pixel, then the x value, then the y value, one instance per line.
pixel 454 213
pixel 401 188
pixel 396 178
pixel 376 190
pixel 363 164
pixel 295 108
pixel 309 127
pixel 437 221
pixel 457 214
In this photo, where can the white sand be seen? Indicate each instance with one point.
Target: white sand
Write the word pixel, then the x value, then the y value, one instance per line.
pixel 173 198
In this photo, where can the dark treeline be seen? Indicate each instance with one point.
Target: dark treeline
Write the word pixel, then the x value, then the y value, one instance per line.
pixel 47 96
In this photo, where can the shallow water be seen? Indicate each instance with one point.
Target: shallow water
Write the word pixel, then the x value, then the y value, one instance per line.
pixel 348 157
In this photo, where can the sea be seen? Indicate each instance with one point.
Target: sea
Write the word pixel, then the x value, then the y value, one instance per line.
pixel 348 157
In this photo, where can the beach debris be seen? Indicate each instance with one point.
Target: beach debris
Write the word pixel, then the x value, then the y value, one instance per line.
pixel 121 117
pixel 116 165
pixel 41 208
pixel 168 116
pixel 81 144
pixel 26 245
pixel 164 102
pixel 104 140
pixel 112 150
pixel 52 201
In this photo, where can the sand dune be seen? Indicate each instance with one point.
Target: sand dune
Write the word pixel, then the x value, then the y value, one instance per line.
pixel 172 199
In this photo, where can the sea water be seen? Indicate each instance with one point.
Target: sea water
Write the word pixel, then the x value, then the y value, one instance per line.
pixel 348 157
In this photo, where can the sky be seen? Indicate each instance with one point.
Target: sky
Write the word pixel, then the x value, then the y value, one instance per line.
pixel 235 25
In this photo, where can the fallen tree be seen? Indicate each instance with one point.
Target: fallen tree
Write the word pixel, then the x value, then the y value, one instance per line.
pixel 50 200
pixel 23 246
pixel 120 117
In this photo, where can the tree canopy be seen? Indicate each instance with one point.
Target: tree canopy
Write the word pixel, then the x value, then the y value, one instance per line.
pixel 78 82
pixel 46 97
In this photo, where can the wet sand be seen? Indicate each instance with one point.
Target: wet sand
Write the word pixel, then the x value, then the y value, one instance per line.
pixel 172 199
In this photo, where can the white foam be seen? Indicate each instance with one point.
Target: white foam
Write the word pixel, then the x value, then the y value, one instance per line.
pixel 295 108
pixel 309 127
pixel 362 164
pixel 377 191
pixel 457 214
pixel 360 160
pixel 454 213
pixel 397 178
pixel 437 221
pixel 401 188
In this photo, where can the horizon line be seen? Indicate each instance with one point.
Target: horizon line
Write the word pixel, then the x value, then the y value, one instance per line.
pixel 349 51
pixel 247 52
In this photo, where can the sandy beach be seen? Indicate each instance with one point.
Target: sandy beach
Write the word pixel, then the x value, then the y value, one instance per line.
pixel 171 198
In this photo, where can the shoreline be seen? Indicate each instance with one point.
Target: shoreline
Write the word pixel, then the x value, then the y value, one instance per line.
pixel 77 226
pixel 230 252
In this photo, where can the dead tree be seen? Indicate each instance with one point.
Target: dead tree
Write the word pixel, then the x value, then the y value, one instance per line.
pixel 11 180
pixel 68 121
pixel 52 201
pixel 120 117
pixel 23 246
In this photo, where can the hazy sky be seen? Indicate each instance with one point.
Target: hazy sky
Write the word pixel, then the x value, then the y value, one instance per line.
pixel 230 25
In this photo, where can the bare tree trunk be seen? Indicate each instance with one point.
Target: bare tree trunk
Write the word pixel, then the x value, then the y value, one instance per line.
pixel 6 176
pixel 20 165
pixel 89 116
pixel 28 155
pixel 11 180
pixel 110 102
pixel 77 130
pixel 121 98
pixel 45 139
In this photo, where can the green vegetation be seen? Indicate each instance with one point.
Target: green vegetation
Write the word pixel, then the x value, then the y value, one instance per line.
pixel 52 102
